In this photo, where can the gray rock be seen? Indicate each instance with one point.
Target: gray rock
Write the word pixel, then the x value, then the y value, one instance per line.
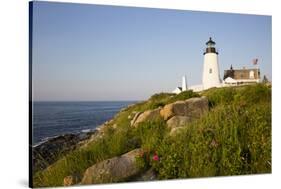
pixel 193 107
pixel 178 121
pixel 137 114
pixel 147 115
pixel 148 175
pixel 116 169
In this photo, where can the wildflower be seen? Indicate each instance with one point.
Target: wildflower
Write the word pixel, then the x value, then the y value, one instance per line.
pixel 155 157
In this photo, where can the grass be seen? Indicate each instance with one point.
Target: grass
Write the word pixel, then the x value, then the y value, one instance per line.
pixel 249 94
pixel 160 100
pixel 230 140
pixel 234 138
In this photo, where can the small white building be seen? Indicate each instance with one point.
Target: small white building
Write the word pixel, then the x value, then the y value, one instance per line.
pixel 178 90
pixel 183 88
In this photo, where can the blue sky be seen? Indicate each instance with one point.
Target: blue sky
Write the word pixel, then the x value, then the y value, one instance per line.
pixel 94 52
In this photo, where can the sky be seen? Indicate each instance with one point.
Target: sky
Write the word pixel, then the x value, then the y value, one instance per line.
pixel 84 52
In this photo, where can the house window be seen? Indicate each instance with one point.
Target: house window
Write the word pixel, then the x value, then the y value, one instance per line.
pixel 210 70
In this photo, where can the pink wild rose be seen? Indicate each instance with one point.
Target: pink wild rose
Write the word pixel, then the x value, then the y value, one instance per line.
pixel 155 157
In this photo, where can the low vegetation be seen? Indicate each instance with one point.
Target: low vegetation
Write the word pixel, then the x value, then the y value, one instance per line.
pixel 234 138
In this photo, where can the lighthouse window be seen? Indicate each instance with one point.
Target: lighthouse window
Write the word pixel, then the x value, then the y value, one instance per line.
pixel 210 70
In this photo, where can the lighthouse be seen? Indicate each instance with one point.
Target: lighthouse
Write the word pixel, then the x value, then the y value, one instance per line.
pixel 211 73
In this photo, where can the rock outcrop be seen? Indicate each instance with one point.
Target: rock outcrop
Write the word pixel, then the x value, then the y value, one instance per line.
pixel 178 121
pixel 147 115
pixel 116 169
pixel 193 107
pixel 136 115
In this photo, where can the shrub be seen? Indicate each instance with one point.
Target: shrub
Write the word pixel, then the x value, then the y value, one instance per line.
pixel 147 159
pixel 218 96
pixel 151 133
pixel 183 96
pixel 158 100
pixel 253 94
pixel 161 99
pixel 161 96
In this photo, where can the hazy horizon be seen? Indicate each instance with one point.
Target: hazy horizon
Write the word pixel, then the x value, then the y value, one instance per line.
pixel 84 52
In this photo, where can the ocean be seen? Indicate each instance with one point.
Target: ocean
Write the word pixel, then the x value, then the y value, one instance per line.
pixel 56 118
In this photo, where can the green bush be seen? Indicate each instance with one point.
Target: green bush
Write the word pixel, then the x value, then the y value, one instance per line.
pixel 146 159
pixel 161 99
pixel 218 96
pixel 183 96
pixel 253 94
pixel 151 133
pixel 249 94
pixel 155 101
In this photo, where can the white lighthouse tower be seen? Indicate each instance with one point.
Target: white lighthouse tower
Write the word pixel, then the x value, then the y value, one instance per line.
pixel 211 73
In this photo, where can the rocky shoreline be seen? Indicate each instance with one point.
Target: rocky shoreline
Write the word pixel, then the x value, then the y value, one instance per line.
pixel 47 152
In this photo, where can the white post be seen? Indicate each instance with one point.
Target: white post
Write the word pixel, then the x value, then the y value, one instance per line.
pixel 184 84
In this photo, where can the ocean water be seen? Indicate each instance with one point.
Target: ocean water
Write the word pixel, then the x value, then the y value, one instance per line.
pixel 55 118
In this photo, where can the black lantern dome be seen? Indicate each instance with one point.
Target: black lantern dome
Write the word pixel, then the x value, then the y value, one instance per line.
pixel 210 47
pixel 210 42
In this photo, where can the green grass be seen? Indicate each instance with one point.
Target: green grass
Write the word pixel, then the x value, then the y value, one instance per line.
pixel 160 100
pixel 151 134
pixel 250 94
pixel 234 138
pixel 230 140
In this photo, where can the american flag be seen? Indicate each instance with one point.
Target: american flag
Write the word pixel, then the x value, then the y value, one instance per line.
pixel 255 61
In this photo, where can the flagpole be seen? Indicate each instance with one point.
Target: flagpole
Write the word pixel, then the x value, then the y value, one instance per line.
pixel 258 68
